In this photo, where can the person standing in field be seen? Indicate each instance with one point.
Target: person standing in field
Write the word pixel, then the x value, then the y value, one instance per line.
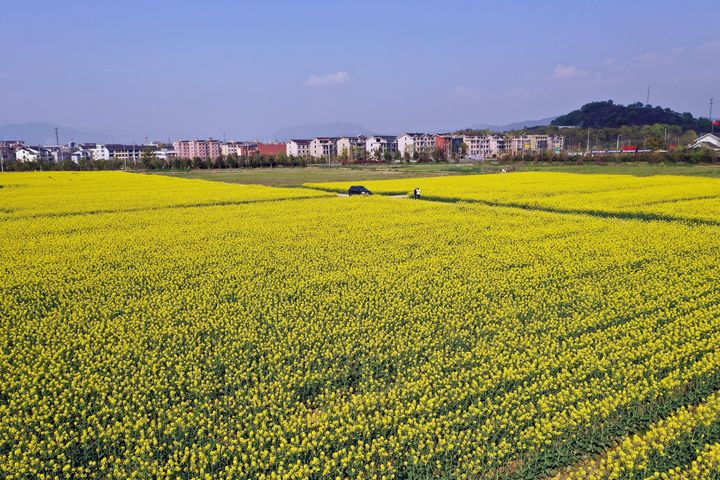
pixel 416 192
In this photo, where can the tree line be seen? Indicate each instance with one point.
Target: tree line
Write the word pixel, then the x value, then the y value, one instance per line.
pixel 694 156
pixel 148 161
pixel 654 137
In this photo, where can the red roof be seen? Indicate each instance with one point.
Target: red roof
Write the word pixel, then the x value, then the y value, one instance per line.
pixel 271 148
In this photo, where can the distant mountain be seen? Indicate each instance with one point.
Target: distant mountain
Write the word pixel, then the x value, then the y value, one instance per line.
pixel 43 133
pixel 312 130
pixel 610 115
pixel 513 126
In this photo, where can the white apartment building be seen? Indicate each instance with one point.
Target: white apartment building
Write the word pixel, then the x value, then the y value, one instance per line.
pixel 411 143
pixel 323 147
pixel 100 152
pixel 298 148
pixel 349 145
pixel 115 151
pixel 229 148
pixel 384 143
pixel 480 147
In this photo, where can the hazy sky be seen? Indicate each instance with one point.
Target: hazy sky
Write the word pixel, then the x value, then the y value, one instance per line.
pixel 248 68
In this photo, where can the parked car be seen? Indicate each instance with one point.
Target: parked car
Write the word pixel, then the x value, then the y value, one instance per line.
pixel 358 190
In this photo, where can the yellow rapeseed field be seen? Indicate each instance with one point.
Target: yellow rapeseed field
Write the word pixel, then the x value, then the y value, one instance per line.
pixel 63 193
pixel 153 327
pixel 656 197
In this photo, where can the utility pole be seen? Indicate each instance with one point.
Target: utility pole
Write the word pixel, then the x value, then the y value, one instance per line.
pixel 57 142
pixel 618 143
pixel 2 161
pixel 648 97
pixel 587 149
pixel 712 124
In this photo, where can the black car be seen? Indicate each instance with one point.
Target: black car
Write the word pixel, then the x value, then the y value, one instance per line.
pixel 358 190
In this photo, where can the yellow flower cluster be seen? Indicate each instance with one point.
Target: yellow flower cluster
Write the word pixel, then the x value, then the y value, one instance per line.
pixel 638 456
pixel 705 466
pixel 694 198
pixel 338 337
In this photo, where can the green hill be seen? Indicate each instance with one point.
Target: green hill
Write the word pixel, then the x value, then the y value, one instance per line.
pixel 610 115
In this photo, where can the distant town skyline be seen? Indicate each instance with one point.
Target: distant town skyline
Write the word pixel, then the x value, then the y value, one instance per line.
pixel 190 70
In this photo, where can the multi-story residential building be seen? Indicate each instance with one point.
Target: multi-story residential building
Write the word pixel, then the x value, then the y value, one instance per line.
pixel 271 149
pixel 229 148
pixel 8 147
pixel 323 147
pixel 126 153
pixel 298 148
pixel 412 143
pixel 521 144
pixel 78 153
pixel 245 149
pixel 384 143
pixel 472 146
pixel 347 147
pixel 198 148
pixel 27 154
pixel 117 151
pixel 100 152
pixel 450 144
pixel 484 146
pixel 556 143
pixel 33 154
pixel 536 143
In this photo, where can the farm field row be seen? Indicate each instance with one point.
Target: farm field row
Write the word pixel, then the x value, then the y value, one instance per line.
pixel 297 176
pixel 64 193
pixel 673 197
pixel 349 337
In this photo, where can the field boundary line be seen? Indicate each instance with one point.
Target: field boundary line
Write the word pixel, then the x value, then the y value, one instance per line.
pixel 646 217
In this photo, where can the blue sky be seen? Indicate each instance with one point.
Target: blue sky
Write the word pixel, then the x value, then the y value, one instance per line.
pixel 197 69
